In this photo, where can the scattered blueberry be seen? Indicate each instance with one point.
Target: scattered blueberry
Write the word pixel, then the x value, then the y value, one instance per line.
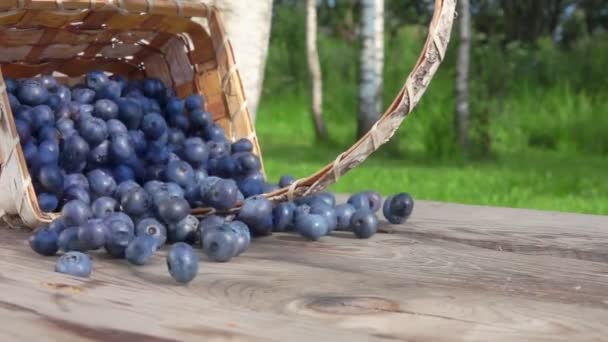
pixel 182 262
pixel 74 263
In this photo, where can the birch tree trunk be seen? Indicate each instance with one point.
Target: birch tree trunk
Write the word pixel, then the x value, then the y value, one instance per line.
pixel 371 64
pixel 314 67
pixel 248 26
pixel 462 79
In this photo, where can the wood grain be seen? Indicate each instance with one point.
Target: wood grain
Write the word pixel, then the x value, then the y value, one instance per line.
pixel 451 273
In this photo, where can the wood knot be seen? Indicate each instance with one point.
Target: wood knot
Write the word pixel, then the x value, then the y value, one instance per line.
pixel 346 305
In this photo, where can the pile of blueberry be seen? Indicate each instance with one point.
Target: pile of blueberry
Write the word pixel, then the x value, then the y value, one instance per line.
pixel 125 161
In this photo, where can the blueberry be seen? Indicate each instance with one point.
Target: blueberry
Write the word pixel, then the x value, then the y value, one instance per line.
pixel 157 154
pixel 243 236
pixel 328 213
pixel 24 113
pixel 225 167
pixel 206 184
pixel 48 151
pixel 199 175
pixel 327 197
pixel 359 201
pixel 74 153
pixel 300 211
pixel 195 152
pixel 48 81
pixel 42 116
pixel 179 172
pixel 120 216
pixel 242 145
pixel 76 179
pixel 100 154
pixel 218 149
pixel 23 130
pixel 96 80
pixel 153 186
pixel 220 244
pixel 83 95
pixel 153 87
pixel 251 187
pixel 47 202
pixel 64 94
pixel 92 235
pixel 173 210
pixel 63 112
pixel 185 230
pixel 182 262
pixel 286 181
pixel 130 113
pixel 54 102
pixel 208 224
pixel 58 225
pixel 141 249
pixel 103 207
pixel 120 233
pixel 32 94
pixel 121 80
pixel 153 125
pixel 282 216
pixel 194 102
pixel 193 195
pixel 65 127
pixel 51 178
pixel 375 200
pixel 151 226
pixel 30 152
pixel 248 163
pixel 93 130
pixel 111 91
pixel 116 127
pixel 174 106
pixel 364 223
pixel 222 195
pixel 256 213
pixel 181 122
pixel 199 119
pixel 138 139
pixel 13 101
pixel 136 202
pixel 344 213
pixel 123 173
pixel 74 263
pixel 68 240
pixel 124 187
pixel 76 192
pixel 11 84
pixel 121 148
pixel 311 226
pixel 398 208
pixel 44 241
pixel 101 183
pixel 214 132
pixel 176 138
pixel 49 133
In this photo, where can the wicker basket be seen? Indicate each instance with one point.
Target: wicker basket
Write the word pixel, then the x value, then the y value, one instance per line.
pixel 157 38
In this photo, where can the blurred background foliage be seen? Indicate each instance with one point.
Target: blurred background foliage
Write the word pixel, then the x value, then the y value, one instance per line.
pixel 539 103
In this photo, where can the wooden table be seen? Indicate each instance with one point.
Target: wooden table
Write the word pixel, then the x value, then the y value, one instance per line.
pixel 452 272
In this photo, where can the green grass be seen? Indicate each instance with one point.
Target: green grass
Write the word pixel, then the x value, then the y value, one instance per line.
pixel 522 177
pixel 548 124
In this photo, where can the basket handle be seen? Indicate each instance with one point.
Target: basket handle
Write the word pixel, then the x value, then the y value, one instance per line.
pixel 415 85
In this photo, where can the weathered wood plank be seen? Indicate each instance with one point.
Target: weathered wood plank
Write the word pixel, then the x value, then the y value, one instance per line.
pixel 452 272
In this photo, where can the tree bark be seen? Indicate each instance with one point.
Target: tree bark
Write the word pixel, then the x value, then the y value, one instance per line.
pixel 248 26
pixel 462 79
pixel 371 64
pixel 314 67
